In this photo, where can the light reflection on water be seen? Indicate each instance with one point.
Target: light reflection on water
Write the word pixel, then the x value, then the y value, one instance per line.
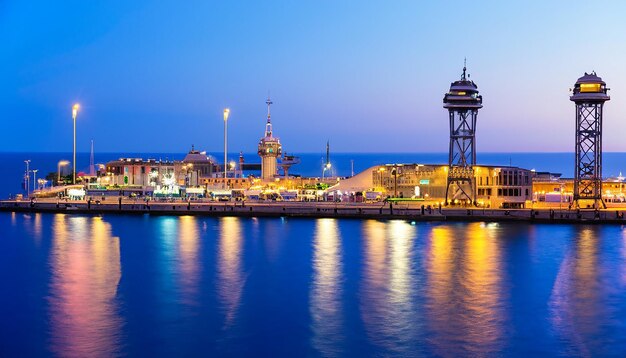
pixel 188 247
pixel 388 306
pixel 348 287
pixel 231 278
pixel 85 265
pixel 576 302
pixel 464 295
pixel 624 256
pixel 326 305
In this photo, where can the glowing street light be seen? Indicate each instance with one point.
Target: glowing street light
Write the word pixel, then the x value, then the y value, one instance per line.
pixel 75 109
pixel 34 178
pixel 232 167
pixel 62 163
pixel 27 178
pixel 325 168
pixel 226 114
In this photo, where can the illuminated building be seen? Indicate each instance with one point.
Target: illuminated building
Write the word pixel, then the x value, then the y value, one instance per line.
pixel 197 165
pixel 462 103
pixel 269 149
pixel 589 95
pixel 496 187
pixel 137 171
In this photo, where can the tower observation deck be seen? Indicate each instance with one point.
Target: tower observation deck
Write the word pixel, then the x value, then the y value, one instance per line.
pixel 589 95
pixel 462 103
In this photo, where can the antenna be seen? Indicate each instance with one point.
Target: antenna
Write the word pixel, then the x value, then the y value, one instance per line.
pixel 269 103
pixel 327 152
pixel 268 126
pixel 464 68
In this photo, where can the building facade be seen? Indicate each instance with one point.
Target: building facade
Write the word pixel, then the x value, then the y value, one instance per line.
pixel 496 187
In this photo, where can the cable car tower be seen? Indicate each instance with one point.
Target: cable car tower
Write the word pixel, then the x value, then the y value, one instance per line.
pixel 589 95
pixel 462 103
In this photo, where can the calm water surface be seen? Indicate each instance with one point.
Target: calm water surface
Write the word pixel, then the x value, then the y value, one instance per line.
pixel 173 286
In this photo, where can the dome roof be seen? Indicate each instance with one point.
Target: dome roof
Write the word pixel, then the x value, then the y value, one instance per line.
pixel 195 156
pixel 590 78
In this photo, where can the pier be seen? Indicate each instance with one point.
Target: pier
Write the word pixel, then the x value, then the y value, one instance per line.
pixel 378 211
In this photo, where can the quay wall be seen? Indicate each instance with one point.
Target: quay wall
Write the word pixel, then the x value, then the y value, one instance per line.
pixel 320 210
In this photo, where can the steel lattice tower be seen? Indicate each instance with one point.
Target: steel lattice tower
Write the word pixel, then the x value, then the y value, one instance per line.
pixel 462 103
pixel 590 93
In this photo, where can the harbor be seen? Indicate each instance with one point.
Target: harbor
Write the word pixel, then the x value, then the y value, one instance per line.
pixel 313 179
pixel 462 189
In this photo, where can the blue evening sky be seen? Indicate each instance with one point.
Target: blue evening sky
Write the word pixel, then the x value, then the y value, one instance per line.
pixel 154 76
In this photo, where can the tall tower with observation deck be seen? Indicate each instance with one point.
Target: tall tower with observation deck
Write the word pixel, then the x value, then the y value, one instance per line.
pixel 589 95
pixel 269 148
pixel 462 103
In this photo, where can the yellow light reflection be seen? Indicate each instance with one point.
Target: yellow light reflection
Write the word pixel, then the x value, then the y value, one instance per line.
pixel 37 226
pixel 441 295
pixel 188 237
pixel 482 282
pixel 624 256
pixel 374 303
pixel 387 305
pixel 575 302
pixel 464 292
pixel 86 272
pixel 231 280
pixel 326 289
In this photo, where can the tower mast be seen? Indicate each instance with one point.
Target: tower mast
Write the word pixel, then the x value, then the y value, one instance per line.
pixel 462 103
pixel 589 95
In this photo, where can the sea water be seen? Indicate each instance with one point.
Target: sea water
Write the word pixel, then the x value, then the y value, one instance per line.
pixel 111 285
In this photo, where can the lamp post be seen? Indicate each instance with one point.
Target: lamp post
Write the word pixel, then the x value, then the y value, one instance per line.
pixel 226 113
pixel 75 108
pixel 27 178
pixel 381 170
pixel 326 167
pixel 394 171
pixel 62 163
pixel 34 178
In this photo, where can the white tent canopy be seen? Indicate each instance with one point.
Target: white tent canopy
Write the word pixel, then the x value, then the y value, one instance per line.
pixel 360 182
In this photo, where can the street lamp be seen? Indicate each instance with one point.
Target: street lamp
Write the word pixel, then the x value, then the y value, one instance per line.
pixel 394 171
pixel 27 178
pixel 326 167
pixel 34 178
pixel 381 170
pixel 62 163
pixel 232 168
pixel 226 113
pixel 75 109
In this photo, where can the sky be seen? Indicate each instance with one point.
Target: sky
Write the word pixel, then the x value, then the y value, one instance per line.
pixel 154 76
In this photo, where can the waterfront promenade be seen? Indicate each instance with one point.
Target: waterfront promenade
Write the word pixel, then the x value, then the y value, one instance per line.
pixel 413 212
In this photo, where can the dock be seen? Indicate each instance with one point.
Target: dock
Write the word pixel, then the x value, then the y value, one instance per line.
pixel 382 211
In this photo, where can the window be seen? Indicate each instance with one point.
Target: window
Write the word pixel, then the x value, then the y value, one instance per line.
pixel 589 87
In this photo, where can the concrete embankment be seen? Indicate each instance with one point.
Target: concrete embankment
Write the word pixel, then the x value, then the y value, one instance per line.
pixel 319 209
